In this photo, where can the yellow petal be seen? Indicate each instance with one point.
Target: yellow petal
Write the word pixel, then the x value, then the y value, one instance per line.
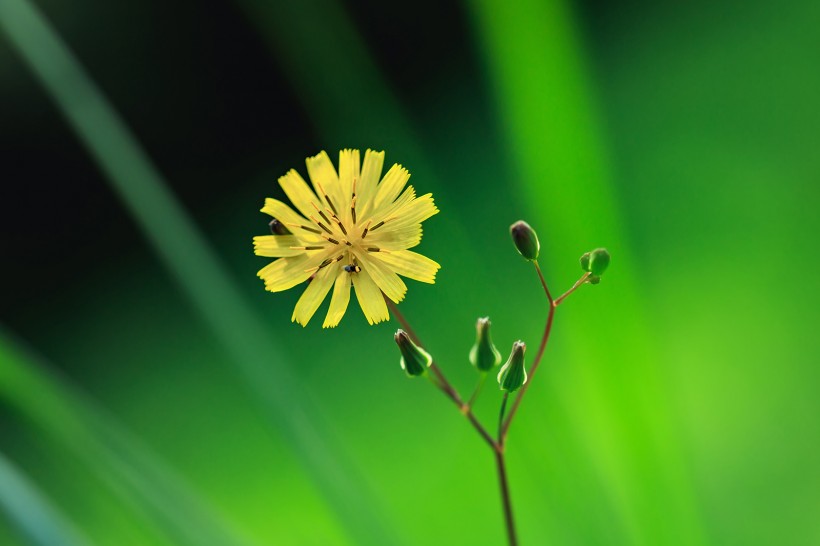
pixel 370 298
pixel 284 273
pixel 410 264
pixel 349 164
pixel 389 283
pixel 324 177
pixel 415 212
pixel 292 221
pixel 340 299
pixel 276 246
pixel 299 193
pixel 314 295
pixel 398 239
pixel 283 213
pixel 389 211
pixel 390 187
pixel 366 189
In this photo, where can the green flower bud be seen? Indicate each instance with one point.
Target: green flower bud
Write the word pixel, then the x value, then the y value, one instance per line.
pixel 414 359
pixel 525 239
pixel 594 279
pixel 513 375
pixel 598 261
pixel 595 262
pixel 484 355
pixel 585 262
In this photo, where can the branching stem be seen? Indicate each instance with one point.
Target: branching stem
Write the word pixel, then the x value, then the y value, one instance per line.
pixel 466 409
pixel 441 382
pixel 553 304
pixel 496 444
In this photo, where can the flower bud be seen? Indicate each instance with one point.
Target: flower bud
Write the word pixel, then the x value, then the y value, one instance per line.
pixel 585 261
pixel 513 375
pixel 414 359
pixel 598 261
pixel 484 355
pixel 525 239
pixel 595 262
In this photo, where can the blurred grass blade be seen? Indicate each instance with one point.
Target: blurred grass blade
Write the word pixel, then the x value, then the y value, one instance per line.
pixel 138 478
pixel 554 135
pixel 199 272
pixel 30 513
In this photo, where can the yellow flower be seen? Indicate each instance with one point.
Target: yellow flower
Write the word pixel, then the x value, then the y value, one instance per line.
pixel 350 228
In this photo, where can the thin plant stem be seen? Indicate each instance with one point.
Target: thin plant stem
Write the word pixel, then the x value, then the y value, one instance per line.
pixel 553 304
pixel 512 539
pixel 575 287
pixel 503 483
pixel 543 281
pixel 501 413
pixel 477 390
pixel 544 338
pixel 441 382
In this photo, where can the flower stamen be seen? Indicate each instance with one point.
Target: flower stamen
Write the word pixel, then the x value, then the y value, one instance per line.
pixel 320 212
pixel 383 222
pixel 364 233
pixel 306 228
pixel 326 196
pixel 353 208
pixel 330 203
pixel 325 263
pixel 341 226
pixel 321 225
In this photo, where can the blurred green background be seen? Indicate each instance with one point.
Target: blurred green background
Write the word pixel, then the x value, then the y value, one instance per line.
pixel 151 392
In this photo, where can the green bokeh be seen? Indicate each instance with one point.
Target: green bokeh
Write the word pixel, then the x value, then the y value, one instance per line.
pixel 677 403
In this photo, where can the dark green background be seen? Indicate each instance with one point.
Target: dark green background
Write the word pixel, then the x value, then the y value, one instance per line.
pixel 151 392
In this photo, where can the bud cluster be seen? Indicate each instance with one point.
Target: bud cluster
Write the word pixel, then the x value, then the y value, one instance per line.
pixel 484 355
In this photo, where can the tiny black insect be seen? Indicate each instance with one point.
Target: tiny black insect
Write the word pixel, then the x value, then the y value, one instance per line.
pixel 352 268
pixel 278 228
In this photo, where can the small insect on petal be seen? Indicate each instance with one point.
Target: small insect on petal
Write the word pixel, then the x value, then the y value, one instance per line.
pixel 278 228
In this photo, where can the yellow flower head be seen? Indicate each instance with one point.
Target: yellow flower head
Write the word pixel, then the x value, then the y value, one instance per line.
pixel 350 228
